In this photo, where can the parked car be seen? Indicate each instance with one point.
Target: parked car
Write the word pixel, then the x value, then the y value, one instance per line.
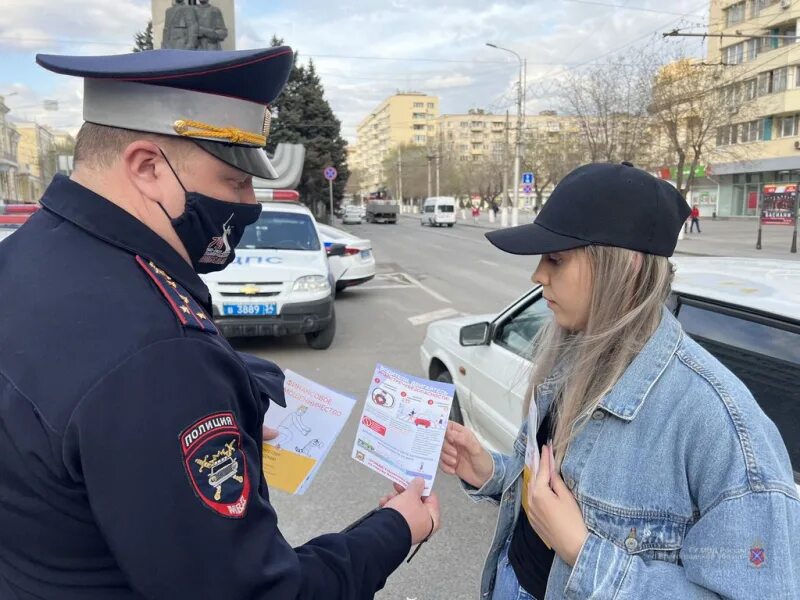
pixel 438 211
pixel 352 215
pixel 6 229
pixel 280 282
pixel 356 265
pixel 744 311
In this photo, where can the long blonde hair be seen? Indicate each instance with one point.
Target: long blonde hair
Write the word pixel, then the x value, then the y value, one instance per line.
pixel 628 293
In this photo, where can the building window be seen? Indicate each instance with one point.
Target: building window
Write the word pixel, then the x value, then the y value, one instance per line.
pixel 788 126
pixel 417 115
pixel 419 127
pixel 734 55
pixel 734 14
pixel 750 131
pixel 779 79
pixel 419 105
pixel 752 49
pixel 751 88
pixel 464 123
pixel 420 139
pixel 759 5
pixel 431 105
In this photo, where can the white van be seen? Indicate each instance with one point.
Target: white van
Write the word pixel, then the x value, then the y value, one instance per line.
pixel 439 210
pixel 280 282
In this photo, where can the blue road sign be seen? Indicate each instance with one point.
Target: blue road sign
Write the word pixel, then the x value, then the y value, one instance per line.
pixel 526 189
pixel 527 178
pixel 330 173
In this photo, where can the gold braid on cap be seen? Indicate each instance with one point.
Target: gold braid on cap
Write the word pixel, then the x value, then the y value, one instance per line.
pixel 267 122
pixel 233 135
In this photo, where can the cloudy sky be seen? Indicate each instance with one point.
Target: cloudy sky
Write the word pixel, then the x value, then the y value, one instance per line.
pixel 364 50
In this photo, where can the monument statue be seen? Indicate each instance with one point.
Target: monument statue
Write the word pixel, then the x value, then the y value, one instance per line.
pixel 180 27
pixel 211 24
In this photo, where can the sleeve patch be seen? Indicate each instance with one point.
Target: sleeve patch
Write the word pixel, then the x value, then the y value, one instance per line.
pixel 186 308
pixel 216 465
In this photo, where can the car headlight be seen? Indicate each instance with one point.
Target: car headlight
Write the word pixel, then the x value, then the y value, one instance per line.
pixel 312 283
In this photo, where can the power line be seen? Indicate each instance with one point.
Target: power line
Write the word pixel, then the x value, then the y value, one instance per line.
pixel 633 8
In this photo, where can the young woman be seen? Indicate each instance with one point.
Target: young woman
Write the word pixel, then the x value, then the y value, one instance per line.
pixel 664 479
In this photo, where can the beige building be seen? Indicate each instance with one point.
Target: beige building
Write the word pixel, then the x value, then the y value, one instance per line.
pixel 9 139
pixel 764 73
pixel 406 118
pixel 36 156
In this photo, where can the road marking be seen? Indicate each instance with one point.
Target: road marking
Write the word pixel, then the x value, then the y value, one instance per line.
pixel 436 315
pixel 490 263
pixel 385 287
pixel 425 288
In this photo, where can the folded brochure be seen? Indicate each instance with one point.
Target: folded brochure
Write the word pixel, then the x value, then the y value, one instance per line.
pixel 402 427
pixel 308 427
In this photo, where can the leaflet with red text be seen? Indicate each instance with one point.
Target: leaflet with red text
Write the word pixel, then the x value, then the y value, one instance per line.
pixel 401 429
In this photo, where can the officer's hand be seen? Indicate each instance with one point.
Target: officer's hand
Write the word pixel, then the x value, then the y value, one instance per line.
pixel 463 455
pixel 269 433
pixel 421 514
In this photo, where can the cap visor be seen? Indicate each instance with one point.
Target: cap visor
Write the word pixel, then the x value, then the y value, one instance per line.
pixel 532 239
pixel 253 161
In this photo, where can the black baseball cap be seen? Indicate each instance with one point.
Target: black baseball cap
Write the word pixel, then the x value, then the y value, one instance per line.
pixel 606 204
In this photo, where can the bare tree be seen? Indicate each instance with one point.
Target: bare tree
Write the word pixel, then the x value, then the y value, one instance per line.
pixel 611 101
pixel 692 102
pixel 412 162
pixel 550 155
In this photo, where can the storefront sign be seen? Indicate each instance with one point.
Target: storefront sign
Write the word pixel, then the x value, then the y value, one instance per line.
pixel 779 204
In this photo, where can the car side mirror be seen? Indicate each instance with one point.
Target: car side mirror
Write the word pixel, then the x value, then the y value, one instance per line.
pixel 475 335
pixel 336 250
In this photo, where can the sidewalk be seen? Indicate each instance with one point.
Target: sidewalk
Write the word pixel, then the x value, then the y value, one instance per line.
pixel 731 237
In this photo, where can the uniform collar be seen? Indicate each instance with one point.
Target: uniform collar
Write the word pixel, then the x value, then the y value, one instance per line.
pixel 105 220
pixel 631 390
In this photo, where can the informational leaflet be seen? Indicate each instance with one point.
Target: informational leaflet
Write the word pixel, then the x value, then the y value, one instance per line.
pixel 401 430
pixel 308 427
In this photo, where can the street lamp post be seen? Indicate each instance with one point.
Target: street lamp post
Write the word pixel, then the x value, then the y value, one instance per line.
pixel 518 145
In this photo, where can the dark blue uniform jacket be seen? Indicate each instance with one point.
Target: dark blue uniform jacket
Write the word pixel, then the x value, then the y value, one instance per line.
pixel 130 430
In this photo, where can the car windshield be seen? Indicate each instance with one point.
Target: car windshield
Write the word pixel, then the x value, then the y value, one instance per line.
pixel 281 231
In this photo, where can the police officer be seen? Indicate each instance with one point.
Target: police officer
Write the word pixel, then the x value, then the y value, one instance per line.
pixel 130 430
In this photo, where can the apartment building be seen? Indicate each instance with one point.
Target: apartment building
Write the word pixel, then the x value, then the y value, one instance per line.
pixel 404 118
pixel 9 139
pixel 761 148
pixel 36 156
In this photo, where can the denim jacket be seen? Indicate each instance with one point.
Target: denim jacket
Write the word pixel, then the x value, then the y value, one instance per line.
pixel 684 484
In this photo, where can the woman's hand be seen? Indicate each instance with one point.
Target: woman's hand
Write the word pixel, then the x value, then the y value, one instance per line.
pixel 463 455
pixel 554 513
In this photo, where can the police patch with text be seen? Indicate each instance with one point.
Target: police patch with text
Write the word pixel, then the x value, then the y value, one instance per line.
pixel 216 465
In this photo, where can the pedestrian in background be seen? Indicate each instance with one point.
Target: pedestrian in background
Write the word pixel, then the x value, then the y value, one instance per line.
pixel 695 219
pixel 664 478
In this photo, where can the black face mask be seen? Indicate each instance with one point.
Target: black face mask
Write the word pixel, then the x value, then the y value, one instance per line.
pixel 210 229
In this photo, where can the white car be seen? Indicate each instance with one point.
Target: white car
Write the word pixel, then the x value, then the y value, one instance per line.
pixel 356 265
pixel 280 282
pixel 6 229
pixel 352 215
pixel 744 311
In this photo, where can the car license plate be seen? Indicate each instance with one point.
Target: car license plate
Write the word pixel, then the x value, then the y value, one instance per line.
pixel 249 310
pixel 365 253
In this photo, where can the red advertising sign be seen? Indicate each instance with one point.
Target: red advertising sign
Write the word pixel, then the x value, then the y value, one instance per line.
pixel 779 204
pixel 374 425
pixel 752 201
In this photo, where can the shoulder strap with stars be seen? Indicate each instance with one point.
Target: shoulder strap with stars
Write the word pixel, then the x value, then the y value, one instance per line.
pixel 189 312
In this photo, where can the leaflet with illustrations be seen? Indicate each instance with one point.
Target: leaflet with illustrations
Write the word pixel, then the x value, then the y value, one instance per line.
pixel 401 430
pixel 308 427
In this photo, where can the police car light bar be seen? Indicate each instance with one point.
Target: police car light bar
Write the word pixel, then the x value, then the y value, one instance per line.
pixel 18 209
pixel 13 219
pixel 277 195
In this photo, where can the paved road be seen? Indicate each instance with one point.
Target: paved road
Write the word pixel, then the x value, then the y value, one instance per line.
pixel 421 271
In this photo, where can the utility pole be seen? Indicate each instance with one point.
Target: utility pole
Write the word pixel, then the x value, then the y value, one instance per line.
pixel 438 159
pixel 400 175
pixel 518 148
pixel 504 207
pixel 429 175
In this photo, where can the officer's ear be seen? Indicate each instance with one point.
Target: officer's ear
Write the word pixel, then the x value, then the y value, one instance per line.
pixel 147 170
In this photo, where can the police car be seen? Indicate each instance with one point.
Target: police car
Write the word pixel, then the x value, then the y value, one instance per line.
pixel 357 265
pixel 744 311
pixel 12 216
pixel 280 282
